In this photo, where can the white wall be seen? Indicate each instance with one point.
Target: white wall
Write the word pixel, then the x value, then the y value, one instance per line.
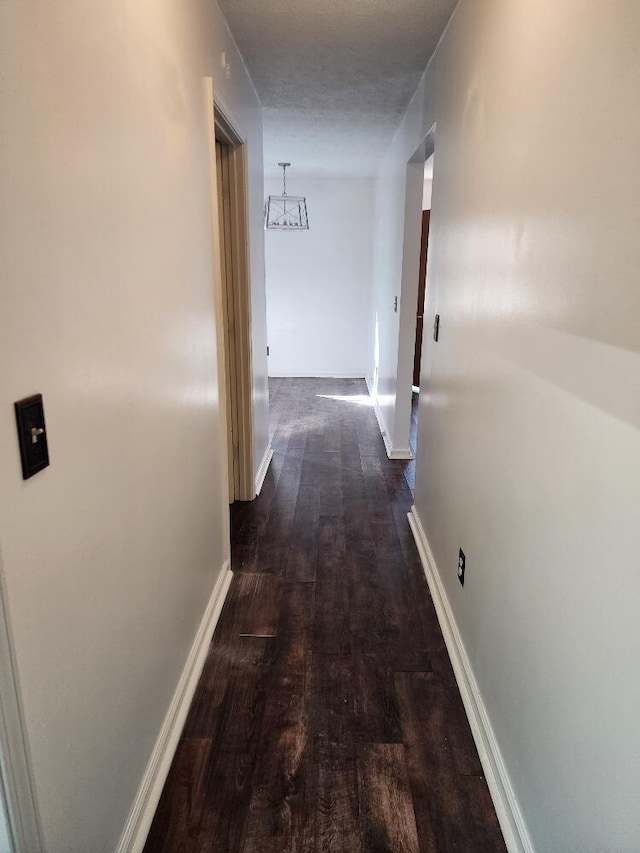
pixel 427 188
pixel 106 307
pixel 319 281
pixel 529 430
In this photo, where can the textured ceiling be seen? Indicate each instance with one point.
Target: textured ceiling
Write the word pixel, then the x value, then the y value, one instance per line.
pixel 334 76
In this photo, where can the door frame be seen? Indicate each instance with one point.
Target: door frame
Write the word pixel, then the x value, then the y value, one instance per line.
pixel 235 361
pixel 17 787
pixel 412 229
pixel 422 293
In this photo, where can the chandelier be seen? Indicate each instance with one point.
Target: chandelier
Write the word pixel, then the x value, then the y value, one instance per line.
pixel 286 212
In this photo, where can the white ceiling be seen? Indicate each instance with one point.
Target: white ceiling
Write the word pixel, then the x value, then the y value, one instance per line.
pixel 334 76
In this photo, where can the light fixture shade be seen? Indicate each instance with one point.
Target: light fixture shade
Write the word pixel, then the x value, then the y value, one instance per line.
pixel 286 213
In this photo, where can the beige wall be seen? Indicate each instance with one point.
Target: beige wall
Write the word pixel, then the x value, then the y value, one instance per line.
pixel 529 431
pixel 106 307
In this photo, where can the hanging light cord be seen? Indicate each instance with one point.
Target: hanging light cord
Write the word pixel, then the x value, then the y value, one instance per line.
pixel 284 177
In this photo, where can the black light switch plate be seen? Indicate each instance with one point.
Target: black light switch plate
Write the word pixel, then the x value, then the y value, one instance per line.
pixel 32 435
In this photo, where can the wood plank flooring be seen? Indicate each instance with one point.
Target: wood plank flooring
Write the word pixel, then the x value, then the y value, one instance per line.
pixel 327 718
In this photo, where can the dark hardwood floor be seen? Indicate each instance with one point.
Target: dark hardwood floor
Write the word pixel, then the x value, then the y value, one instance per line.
pixel 327 717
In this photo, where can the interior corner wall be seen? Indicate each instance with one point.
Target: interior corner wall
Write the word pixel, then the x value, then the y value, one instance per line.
pixel 319 281
pixel 111 554
pixel 529 421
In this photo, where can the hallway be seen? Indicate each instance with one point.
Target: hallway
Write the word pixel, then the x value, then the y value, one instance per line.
pixel 327 717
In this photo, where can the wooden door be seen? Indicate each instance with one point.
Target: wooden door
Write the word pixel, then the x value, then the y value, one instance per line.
pixel 422 289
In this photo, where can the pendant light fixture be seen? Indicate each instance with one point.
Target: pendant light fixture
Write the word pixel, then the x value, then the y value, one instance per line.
pixel 286 212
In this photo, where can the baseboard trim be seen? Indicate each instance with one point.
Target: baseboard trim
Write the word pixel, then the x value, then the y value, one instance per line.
pixel 399 452
pixel 507 808
pixel 144 806
pixel 392 452
pixel 298 375
pixel 263 468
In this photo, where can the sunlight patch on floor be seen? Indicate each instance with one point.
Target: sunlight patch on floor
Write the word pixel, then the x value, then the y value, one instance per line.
pixel 358 399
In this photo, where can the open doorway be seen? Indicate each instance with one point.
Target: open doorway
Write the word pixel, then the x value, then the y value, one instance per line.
pixel 412 343
pixel 233 307
pixel 419 322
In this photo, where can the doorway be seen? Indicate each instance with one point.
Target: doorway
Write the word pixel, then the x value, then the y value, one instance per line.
pixel 233 316
pixel 419 329
pixel 422 290
pixel 416 182
pixel 414 287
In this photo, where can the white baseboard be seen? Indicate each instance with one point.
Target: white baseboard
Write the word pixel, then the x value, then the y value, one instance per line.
pixel 297 375
pixel 392 452
pixel 144 806
pixel 507 808
pixel 398 452
pixel 263 468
